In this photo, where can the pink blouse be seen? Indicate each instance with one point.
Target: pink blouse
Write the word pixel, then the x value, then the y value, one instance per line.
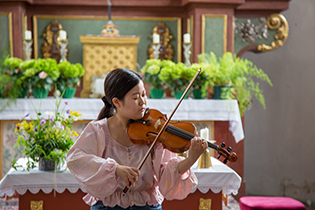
pixel 93 159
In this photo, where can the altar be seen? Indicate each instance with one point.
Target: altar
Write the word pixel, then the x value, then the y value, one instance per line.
pixel 56 186
pixel 51 191
pixel 203 113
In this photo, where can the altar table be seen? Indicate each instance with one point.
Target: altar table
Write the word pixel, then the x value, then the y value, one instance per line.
pixel 189 110
pixel 60 189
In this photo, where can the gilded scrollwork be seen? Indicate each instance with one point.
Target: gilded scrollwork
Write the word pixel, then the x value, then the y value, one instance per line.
pixel 276 21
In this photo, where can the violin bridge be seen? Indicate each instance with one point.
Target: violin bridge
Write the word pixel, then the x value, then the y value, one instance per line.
pixel 157 124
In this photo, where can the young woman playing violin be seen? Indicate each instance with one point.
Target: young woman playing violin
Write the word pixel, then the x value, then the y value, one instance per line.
pixel 104 160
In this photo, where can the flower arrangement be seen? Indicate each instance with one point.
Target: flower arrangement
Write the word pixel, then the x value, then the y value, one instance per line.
pixel 48 137
pixel 151 71
pixel 70 75
pixel 40 73
pixel 199 87
pixel 175 76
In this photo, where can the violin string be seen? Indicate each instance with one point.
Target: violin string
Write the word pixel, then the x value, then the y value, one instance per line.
pixel 179 132
pixel 186 135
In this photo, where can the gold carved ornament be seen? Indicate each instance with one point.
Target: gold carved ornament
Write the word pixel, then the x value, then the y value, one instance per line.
pixel 166 49
pixel 205 204
pixel 37 205
pixel 51 48
pixel 276 21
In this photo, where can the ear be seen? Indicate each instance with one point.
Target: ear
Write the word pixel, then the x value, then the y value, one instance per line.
pixel 116 102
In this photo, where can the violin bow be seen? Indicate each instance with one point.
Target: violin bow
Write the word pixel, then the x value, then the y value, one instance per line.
pixel 164 126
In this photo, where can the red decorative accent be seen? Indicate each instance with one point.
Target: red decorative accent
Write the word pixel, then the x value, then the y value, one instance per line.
pixel 272 203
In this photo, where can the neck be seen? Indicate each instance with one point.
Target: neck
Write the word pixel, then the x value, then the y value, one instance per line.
pixel 120 122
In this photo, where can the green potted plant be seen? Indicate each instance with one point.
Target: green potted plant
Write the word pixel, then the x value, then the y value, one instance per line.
pixel 11 78
pixel 69 79
pixel 40 74
pixel 151 71
pixel 46 139
pixel 239 75
pixel 199 87
pixel 221 71
pixel 246 86
pixel 175 76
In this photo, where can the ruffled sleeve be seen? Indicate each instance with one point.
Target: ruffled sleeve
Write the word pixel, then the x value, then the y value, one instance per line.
pixel 84 160
pixel 172 185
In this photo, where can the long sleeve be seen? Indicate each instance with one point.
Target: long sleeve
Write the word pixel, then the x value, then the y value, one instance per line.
pixel 84 160
pixel 171 184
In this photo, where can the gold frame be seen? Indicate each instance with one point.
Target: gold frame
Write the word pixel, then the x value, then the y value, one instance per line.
pixel 179 27
pixel 203 30
pixel 9 14
pixel 24 27
pixel 190 30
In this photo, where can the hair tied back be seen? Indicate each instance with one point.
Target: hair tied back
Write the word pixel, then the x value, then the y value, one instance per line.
pixel 107 104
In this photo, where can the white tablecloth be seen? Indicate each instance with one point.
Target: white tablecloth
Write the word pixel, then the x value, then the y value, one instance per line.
pixel 189 109
pixel 218 178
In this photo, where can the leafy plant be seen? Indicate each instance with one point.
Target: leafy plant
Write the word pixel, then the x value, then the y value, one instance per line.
pixel 240 73
pixel 175 76
pixel 245 85
pixel 70 75
pixel 47 137
pixel 151 71
pixel 10 81
pixel 221 70
pixel 203 78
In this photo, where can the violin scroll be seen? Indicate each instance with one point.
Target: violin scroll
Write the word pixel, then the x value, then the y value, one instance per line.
pixel 226 153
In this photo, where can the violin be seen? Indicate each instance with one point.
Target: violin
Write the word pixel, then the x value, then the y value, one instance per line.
pixel 176 136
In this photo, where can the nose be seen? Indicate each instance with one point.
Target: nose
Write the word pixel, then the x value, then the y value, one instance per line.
pixel 142 100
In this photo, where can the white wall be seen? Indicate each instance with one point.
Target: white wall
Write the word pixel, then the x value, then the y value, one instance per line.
pixel 280 141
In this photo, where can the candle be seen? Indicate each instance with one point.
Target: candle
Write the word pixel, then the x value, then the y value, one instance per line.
pixel 156 39
pixel 204 133
pixel 99 86
pixel 187 38
pixel 27 35
pixel 62 35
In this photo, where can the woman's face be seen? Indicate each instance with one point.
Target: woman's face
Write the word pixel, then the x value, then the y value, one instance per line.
pixel 134 104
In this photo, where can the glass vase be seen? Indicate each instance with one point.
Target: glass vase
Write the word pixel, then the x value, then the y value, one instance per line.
pixel 46 165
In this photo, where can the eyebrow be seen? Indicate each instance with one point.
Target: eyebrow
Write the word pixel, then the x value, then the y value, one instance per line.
pixel 136 93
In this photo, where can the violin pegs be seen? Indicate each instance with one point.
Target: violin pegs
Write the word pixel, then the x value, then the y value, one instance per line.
pixel 229 149
pixel 225 161
pixel 219 156
pixel 222 144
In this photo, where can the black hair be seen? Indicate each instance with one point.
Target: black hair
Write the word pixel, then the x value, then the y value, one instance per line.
pixel 118 83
